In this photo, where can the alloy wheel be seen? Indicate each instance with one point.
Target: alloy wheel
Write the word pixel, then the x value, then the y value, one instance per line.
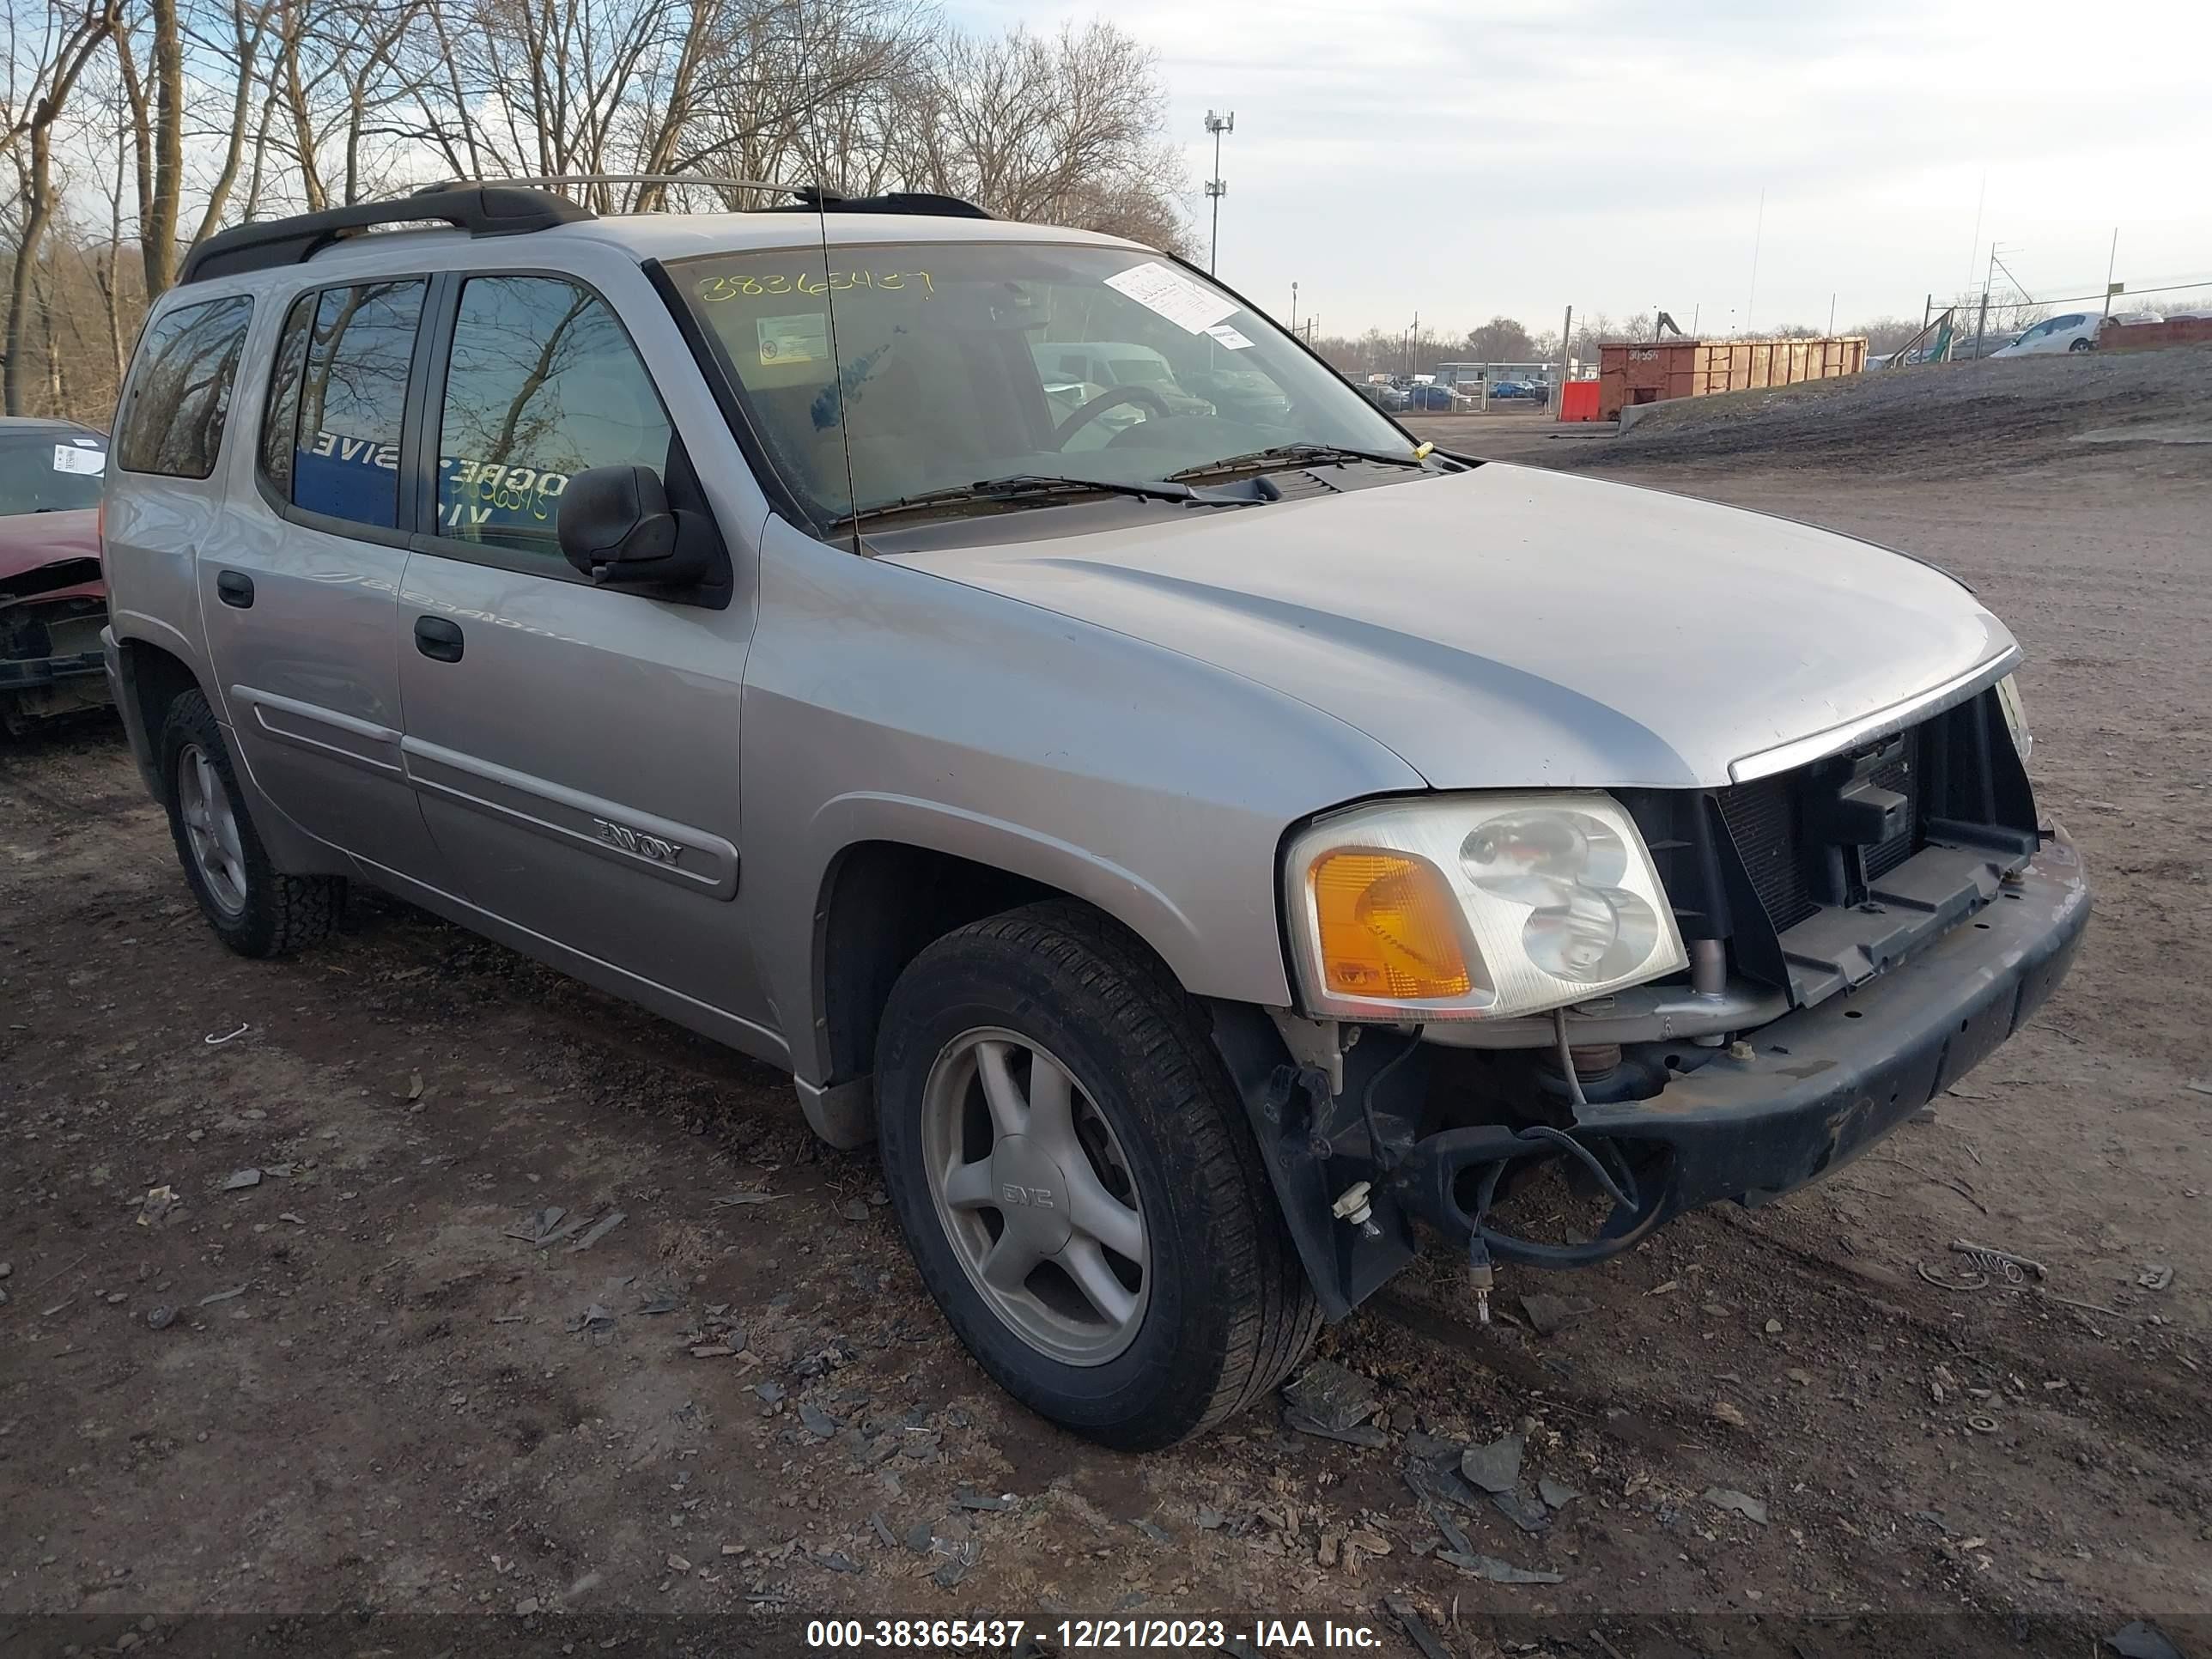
pixel 211 827
pixel 1033 1189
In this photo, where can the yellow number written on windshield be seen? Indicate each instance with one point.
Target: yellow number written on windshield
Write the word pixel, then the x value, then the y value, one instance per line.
pixel 715 289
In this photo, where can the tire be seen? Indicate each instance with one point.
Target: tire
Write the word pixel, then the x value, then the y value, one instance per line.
pixel 254 907
pixel 1222 1308
pixel 2079 345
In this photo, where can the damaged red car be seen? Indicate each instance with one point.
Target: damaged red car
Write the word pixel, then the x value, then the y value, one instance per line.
pixel 53 600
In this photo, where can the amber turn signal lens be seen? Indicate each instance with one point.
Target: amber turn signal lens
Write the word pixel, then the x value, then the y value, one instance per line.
pixel 1389 927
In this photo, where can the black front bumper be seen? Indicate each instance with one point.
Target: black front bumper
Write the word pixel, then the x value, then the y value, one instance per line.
pixel 1823 1085
pixel 1811 1091
pixel 1807 1092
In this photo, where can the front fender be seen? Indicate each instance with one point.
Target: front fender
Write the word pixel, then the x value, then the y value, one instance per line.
pixel 886 704
pixel 1138 904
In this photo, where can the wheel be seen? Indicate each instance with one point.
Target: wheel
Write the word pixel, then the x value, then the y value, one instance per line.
pixel 1074 1174
pixel 2079 345
pixel 254 907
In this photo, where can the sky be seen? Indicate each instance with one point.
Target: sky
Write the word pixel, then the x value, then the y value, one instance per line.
pixel 1458 159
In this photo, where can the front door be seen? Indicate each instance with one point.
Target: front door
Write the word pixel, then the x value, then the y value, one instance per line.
pixel 574 747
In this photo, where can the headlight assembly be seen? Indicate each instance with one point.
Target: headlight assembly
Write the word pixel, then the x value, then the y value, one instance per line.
pixel 1475 907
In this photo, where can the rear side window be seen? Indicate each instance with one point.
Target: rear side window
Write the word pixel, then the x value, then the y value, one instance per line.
pixel 179 398
pixel 544 383
pixel 330 437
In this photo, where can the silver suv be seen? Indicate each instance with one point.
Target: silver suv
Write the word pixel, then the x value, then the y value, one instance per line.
pixel 1202 846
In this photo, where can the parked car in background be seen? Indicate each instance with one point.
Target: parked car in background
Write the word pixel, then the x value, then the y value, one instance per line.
pixel 52 600
pixel 1386 395
pixel 2076 330
pixel 1964 349
pixel 1431 398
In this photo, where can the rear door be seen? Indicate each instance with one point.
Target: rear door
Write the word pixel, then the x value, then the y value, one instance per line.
pixel 574 747
pixel 300 596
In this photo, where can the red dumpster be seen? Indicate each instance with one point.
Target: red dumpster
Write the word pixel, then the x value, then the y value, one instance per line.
pixel 1578 400
pixel 1652 371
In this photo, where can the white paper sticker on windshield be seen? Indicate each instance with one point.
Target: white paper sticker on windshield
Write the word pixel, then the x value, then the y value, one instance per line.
pixel 92 462
pixel 1224 335
pixel 1174 296
pixel 802 337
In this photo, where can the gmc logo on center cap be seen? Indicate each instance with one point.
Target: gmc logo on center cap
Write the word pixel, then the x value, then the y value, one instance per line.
pixel 1036 1197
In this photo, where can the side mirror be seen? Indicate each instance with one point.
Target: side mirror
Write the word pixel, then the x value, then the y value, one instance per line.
pixel 616 526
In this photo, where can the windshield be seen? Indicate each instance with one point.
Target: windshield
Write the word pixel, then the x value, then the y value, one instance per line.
pixel 970 360
pixel 54 470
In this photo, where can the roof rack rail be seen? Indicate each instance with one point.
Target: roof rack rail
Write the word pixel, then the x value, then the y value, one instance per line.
pixel 507 207
pixel 480 210
pixel 924 201
pixel 557 181
pixel 809 198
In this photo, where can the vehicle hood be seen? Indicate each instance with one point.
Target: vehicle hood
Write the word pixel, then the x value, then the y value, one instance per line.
pixel 1512 627
pixel 30 541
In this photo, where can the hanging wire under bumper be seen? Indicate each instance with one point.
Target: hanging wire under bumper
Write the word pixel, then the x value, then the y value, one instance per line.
pixel 1815 1090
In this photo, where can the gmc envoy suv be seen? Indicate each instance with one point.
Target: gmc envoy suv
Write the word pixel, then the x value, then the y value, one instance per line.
pixel 1206 839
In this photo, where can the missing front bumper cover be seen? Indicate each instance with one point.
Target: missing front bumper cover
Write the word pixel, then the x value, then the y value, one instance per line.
pixel 1813 1088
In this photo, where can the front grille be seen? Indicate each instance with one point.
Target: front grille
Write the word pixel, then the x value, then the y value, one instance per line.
pixel 1766 819
pixel 1763 866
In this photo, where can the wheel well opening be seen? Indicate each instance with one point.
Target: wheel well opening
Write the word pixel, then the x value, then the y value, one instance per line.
pixel 883 903
pixel 158 680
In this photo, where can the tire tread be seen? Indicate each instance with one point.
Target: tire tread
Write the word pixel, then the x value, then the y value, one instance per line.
pixel 1275 1317
pixel 284 914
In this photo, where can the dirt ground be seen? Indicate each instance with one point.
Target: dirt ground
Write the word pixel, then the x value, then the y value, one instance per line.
pixel 351 1387
pixel 1961 420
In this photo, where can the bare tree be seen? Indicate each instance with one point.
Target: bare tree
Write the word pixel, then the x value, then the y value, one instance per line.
pixel 1501 340
pixel 248 22
pixel 1063 129
pixel 337 77
pixel 149 52
pixel 1886 333
pixel 1378 351
pixel 69 37
pixel 200 113
pixel 107 269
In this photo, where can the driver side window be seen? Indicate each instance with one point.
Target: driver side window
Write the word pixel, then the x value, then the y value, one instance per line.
pixel 542 384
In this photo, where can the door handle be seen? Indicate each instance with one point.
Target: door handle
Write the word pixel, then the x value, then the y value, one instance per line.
pixel 438 639
pixel 234 588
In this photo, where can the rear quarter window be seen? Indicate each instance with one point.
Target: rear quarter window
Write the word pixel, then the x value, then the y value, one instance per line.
pixel 179 402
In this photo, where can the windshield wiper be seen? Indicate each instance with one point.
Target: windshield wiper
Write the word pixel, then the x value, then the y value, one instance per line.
pixel 1301 452
pixel 1021 486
